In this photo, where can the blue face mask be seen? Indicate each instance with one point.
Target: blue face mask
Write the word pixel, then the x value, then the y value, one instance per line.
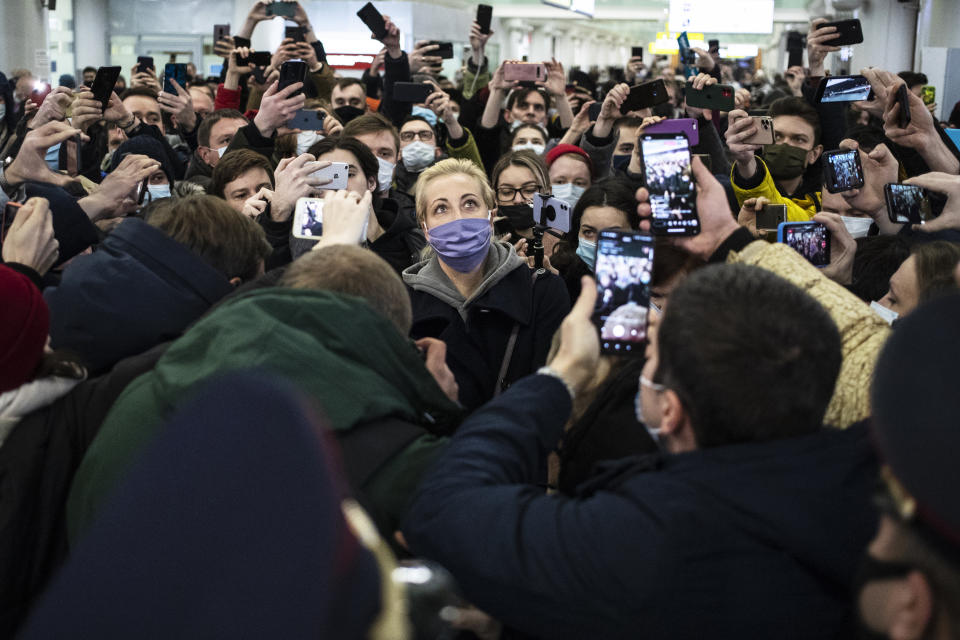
pixel 588 252
pixel 53 157
pixel 158 191
pixel 426 114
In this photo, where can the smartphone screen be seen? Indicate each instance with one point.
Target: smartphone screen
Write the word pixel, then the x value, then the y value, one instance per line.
pixel 308 218
pixel 844 89
pixel 842 171
pixel 174 71
pixel 623 270
pixel 636 52
pixel 809 239
pixel 906 203
pixel 484 15
pixel 669 179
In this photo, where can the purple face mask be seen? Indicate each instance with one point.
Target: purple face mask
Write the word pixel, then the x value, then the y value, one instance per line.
pixel 462 244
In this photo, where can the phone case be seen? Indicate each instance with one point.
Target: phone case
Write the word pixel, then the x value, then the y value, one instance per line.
pixel 928 94
pixel 307 120
pixel 103 84
pixel 415 92
pixel 174 71
pixel 524 72
pixel 552 212
pixel 145 62
pixel 765 133
pixel 642 96
pixel 687 126
pixel 716 96
pixel 256 58
pixel 794 58
pixel 338 173
pixel 220 31
pixel 292 72
pixel 771 216
pixel 903 97
pixel 484 15
pixel 374 20
pixel 850 32
pixel 297 34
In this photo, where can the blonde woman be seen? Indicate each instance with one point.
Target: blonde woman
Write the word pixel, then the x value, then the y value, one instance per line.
pixel 479 297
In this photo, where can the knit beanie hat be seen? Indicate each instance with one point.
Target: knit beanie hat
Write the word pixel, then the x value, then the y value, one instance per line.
pixel 24 324
pixel 147 146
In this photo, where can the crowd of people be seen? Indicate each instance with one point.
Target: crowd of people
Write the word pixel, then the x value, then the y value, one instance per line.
pixel 395 423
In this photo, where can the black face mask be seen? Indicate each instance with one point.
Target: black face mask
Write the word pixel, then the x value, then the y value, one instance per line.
pixel 518 216
pixel 873 570
pixel 347 113
pixel 621 161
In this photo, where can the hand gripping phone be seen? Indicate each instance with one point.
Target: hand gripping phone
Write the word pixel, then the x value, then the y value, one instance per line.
pixel 715 96
pixel 906 203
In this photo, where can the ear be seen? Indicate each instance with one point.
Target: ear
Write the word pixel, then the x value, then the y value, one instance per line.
pixel 911 607
pixel 235 282
pixel 814 154
pixel 675 423
pixel 371 184
pixel 508 116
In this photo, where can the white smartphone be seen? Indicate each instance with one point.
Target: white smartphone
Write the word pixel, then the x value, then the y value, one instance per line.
pixel 338 173
pixel 308 219
pixel 552 212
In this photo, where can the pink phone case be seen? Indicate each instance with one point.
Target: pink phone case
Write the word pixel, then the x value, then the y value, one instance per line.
pixel 687 126
pixel 524 72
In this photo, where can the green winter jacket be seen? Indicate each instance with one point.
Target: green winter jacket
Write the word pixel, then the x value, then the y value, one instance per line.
pixel 350 359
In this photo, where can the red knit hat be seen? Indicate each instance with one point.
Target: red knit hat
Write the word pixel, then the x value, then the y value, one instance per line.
pixel 564 149
pixel 24 324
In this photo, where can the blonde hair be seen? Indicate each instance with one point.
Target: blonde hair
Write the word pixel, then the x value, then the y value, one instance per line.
pixel 451 167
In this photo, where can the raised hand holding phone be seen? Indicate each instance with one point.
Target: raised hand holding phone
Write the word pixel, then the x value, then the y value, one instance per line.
pixel 610 110
pixel 819 43
pixel 345 217
pixel 256 204
pixel 294 180
pixel 949 185
pixel 278 107
pixel 86 110
pixel 179 105
pixel 843 248
pixel 54 107
pixel 30 163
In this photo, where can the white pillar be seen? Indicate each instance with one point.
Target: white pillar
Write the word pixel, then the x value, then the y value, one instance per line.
pixel 23 32
pixel 90 33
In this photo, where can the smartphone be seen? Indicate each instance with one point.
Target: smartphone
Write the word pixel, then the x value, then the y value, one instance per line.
pixel 9 214
pixel 686 126
pixel 551 212
pixel 72 154
pixel 645 95
pixel 484 15
pixel 338 173
pixel 718 97
pixel 142 190
pixel 903 99
pixel 374 20
pixel 240 41
pixel 764 133
pixel 415 92
pixel 624 269
pixel 842 170
pixel 809 239
pixel 850 32
pixel 907 203
pixel 174 71
pixel 687 55
pixel 103 84
pixel 220 31
pixel 771 216
pixel 256 58
pixel 280 8
pixel 445 51
pixel 308 218
pixel 524 72
pixel 713 46
pixel 594 111
pixel 292 72
pixel 636 52
pixel 669 179
pixel 844 89
pixel 928 94
pixel 295 33
pixel 954 136
pixel 794 58
pixel 144 63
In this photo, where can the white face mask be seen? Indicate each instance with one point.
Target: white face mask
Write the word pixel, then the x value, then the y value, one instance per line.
pixel 306 139
pixel 158 191
pixel 222 150
pixel 858 227
pixel 536 148
pixel 887 314
pixel 385 174
pixel 417 156
pixel 569 193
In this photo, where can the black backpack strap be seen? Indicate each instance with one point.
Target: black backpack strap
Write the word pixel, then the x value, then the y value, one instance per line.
pixel 511 345
pixel 369 446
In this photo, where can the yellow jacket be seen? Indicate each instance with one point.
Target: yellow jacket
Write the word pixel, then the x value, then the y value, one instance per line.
pixel 798 210
pixel 862 332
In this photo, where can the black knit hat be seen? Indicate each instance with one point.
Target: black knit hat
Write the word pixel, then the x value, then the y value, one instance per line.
pixel 915 413
pixel 147 146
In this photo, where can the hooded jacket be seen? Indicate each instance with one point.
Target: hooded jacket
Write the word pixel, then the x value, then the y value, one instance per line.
pixel 140 288
pixel 349 358
pixel 757 540
pixel 477 330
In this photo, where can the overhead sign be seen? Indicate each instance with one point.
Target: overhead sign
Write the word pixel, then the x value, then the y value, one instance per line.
pixel 730 16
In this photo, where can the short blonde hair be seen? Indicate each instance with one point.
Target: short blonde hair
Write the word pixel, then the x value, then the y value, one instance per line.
pixel 451 167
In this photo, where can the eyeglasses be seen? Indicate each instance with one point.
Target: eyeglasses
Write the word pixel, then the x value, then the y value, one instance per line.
pixel 425 135
pixel 507 194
